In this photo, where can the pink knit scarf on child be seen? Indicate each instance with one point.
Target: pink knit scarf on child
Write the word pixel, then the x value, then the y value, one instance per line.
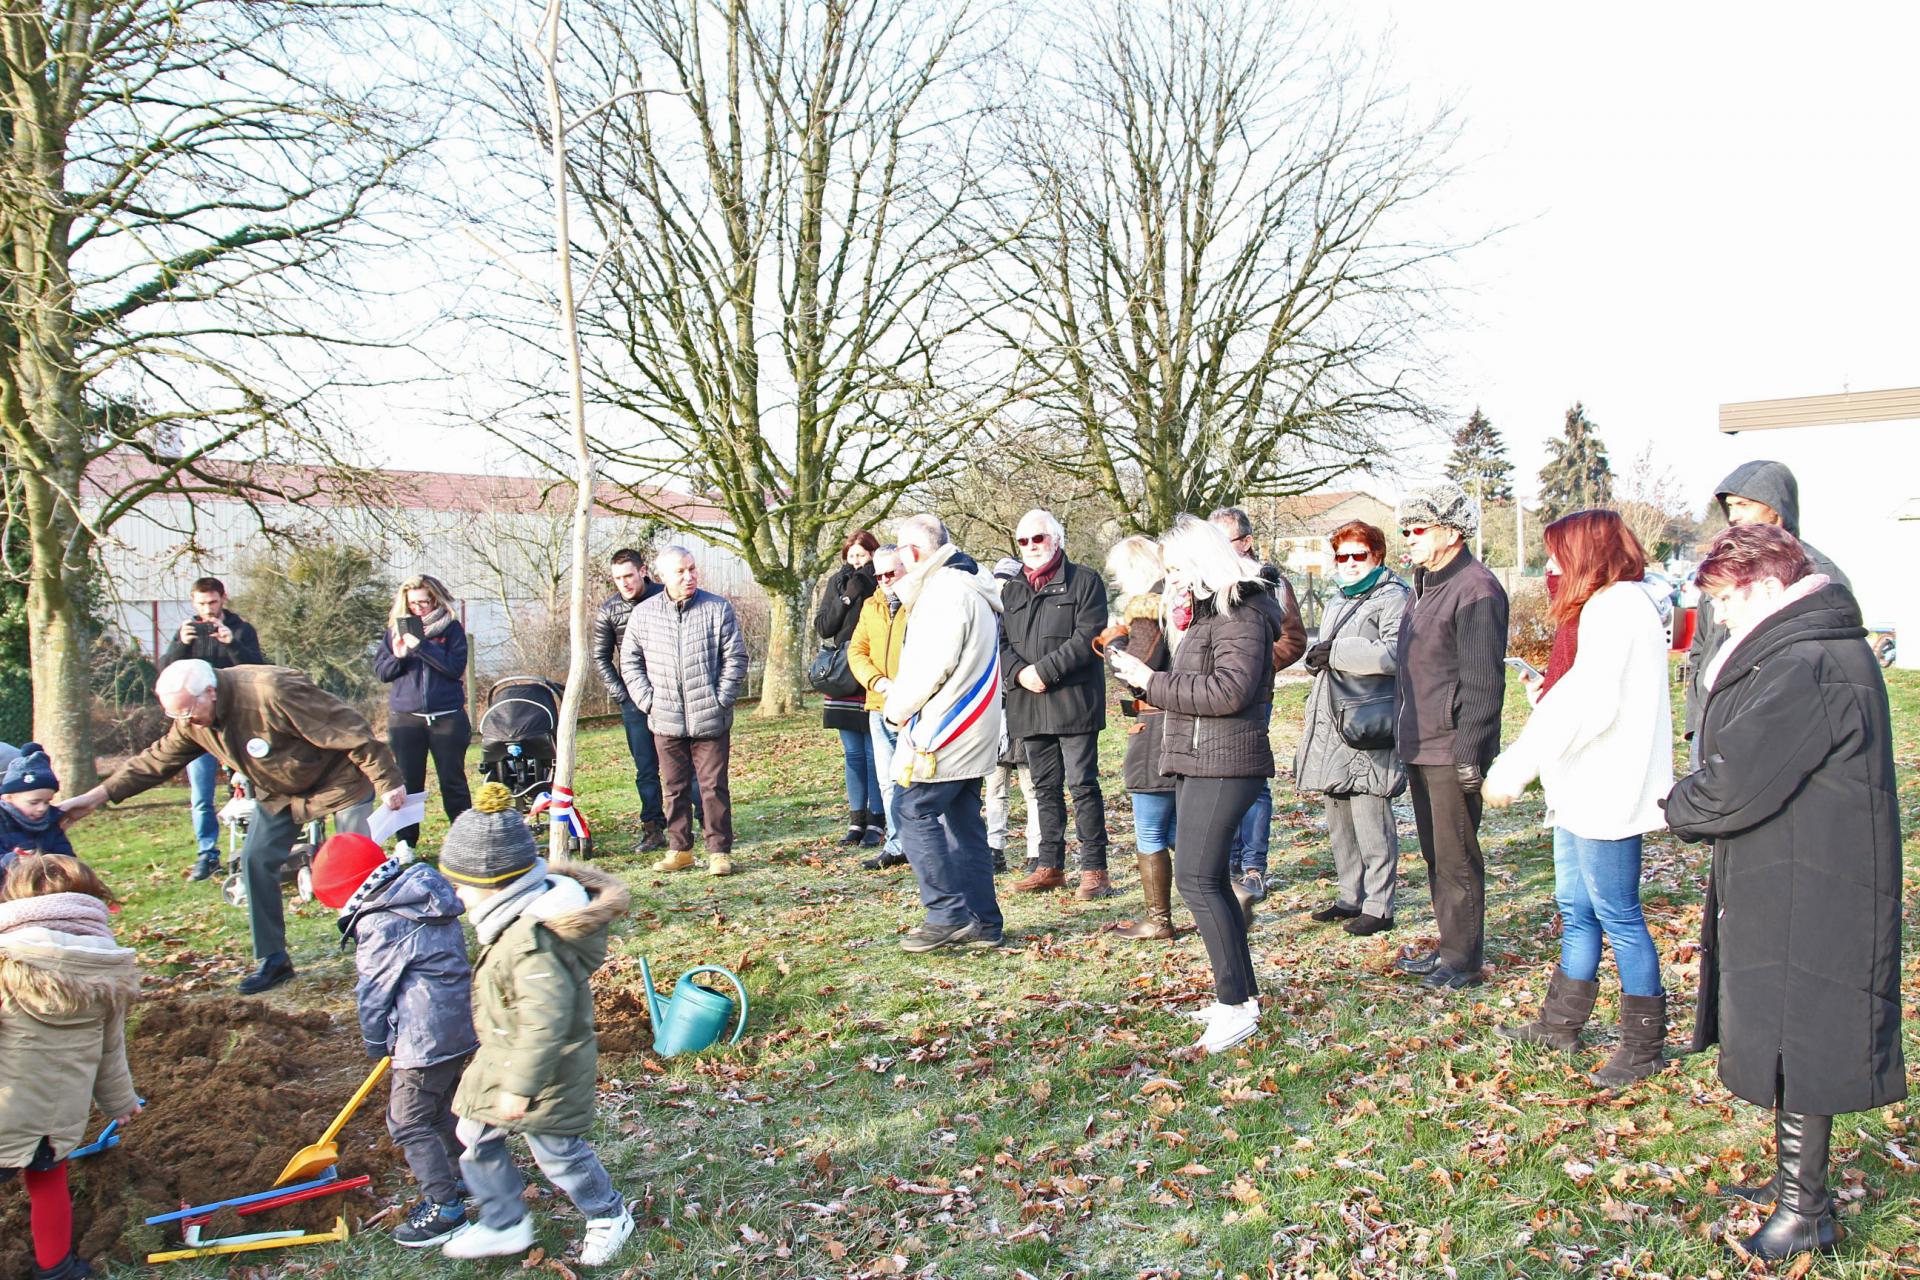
pixel 80 913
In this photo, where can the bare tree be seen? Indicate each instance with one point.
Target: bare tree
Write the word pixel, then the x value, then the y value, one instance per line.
pixel 177 174
pixel 773 189
pixel 1654 503
pixel 1212 260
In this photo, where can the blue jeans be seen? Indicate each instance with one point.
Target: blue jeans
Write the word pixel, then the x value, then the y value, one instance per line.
pixel 883 740
pixel 863 783
pixel 646 763
pixel 1153 821
pixel 1249 850
pixel 946 844
pixel 203 779
pixel 1596 885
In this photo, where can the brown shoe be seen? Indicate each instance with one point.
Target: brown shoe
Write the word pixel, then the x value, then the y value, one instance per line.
pixel 653 836
pixel 1093 884
pixel 1042 879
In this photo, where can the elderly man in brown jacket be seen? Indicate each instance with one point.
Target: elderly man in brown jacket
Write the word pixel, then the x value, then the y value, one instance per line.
pixel 306 753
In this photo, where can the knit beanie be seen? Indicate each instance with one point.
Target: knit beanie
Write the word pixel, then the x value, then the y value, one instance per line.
pixel 29 771
pixel 489 845
pixel 342 865
pixel 1441 503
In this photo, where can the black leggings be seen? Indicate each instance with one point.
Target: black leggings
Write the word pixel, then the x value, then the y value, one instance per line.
pixel 1210 810
pixel 412 738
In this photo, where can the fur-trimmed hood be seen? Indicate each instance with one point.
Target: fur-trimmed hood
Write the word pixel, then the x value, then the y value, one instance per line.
pixel 61 977
pixel 607 899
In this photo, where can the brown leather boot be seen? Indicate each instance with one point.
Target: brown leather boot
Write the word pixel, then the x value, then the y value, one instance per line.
pixel 1643 1042
pixel 1042 879
pixel 1093 884
pixel 1156 884
pixel 1563 1013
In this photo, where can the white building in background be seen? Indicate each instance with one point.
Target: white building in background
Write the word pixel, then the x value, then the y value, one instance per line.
pixel 501 543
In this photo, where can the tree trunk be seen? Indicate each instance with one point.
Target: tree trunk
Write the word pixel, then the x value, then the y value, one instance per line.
pixel 780 685
pixel 62 693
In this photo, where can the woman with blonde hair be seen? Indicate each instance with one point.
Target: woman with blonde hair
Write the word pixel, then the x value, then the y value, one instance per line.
pixel 1142 630
pixel 422 654
pixel 1216 693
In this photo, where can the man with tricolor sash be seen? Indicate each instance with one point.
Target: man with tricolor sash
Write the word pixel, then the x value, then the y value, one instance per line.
pixel 944 701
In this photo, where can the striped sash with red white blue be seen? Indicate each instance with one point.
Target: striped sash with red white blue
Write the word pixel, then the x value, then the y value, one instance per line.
pixel 963 715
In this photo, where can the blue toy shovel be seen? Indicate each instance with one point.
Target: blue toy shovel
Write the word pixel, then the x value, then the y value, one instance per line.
pixel 109 1137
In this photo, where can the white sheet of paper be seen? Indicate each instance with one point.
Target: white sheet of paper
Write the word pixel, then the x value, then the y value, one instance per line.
pixel 385 821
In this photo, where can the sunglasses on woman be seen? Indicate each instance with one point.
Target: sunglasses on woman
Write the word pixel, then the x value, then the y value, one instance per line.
pixel 1345 557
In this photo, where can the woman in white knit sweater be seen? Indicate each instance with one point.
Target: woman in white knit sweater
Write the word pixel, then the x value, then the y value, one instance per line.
pixel 1601 742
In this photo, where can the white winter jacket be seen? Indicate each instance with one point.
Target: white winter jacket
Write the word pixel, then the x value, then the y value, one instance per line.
pixel 1601 740
pixel 949 676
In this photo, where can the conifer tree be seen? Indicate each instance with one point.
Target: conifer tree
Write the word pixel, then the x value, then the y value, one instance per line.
pixel 1479 463
pixel 1577 474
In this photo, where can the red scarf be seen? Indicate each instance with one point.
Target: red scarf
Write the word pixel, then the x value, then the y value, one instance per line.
pixel 1038 578
pixel 1566 641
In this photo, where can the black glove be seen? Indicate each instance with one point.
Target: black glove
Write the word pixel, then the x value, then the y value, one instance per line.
pixel 1317 658
pixel 1470 778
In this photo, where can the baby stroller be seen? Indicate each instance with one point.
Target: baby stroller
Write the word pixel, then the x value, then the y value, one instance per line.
pixel 236 814
pixel 517 736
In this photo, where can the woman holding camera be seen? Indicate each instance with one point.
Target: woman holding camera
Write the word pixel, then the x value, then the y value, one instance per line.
pixel 423 655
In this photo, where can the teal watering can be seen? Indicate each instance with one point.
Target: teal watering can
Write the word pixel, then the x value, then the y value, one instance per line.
pixel 693 1017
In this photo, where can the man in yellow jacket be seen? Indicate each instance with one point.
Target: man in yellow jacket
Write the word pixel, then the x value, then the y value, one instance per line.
pixel 873 655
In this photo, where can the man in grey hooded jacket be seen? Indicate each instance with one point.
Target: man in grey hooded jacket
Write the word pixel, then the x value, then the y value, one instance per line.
pixel 1758 492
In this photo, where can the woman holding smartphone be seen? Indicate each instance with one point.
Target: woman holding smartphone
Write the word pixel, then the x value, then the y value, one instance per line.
pixel 1601 742
pixel 423 655
pixel 1215 697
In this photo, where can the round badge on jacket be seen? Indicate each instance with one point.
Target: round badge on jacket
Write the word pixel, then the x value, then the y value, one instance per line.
pixel 258 748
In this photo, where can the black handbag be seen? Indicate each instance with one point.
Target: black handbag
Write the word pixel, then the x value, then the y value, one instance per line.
pixel 830 674
pixel 1365 708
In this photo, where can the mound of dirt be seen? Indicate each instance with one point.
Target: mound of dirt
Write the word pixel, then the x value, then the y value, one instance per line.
pixel 620 1015
pixel 234 1087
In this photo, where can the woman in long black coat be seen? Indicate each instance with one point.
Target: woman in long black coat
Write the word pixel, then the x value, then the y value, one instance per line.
pixel 842 600
pixel 1800 972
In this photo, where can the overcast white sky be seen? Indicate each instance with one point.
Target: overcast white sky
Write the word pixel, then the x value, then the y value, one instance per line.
pixel 1707 202
pixel 1712 202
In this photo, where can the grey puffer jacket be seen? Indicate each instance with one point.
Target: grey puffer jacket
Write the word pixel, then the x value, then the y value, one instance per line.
pixel 1217 692
pixel 1366 633
pixel 685 664
pixel 415 989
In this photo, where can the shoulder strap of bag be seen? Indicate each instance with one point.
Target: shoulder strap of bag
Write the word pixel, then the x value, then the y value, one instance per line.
pixel 1349 615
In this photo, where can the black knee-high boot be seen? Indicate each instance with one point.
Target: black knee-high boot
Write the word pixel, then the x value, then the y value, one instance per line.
pixel 1802 1218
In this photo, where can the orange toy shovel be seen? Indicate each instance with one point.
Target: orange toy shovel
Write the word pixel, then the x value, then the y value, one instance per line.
pixel 323 1154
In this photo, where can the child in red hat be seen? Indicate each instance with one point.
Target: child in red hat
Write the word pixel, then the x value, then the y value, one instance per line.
pixel 415 994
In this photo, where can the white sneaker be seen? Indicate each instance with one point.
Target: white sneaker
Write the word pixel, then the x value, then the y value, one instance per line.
pixel 1208 1014
pixel 604 1238
pixel 1230 1027
pixel 482 1241
pixel 402 852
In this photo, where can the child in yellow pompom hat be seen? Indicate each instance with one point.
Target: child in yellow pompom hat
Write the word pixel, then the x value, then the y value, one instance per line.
pixel 542 934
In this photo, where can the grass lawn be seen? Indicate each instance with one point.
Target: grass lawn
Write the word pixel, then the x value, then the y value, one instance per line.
pixel 1021 1113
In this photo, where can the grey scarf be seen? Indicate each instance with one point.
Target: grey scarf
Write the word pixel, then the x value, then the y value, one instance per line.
pixel 491 918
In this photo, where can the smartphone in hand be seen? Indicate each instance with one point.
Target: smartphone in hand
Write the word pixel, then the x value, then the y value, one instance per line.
pixel 1525 668
pixel 412 626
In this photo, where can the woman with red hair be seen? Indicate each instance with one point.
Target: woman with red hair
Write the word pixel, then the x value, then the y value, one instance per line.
pixel 1800 940
pixel 1601 742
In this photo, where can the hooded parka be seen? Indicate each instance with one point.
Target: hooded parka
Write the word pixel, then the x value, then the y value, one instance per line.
pixel 533 1006
pixel 1760 481
pixel 63 1042
pixel 1800 946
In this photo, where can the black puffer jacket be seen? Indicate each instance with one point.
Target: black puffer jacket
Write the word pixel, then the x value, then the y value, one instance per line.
pixel 1800 945
pixel 1216 692
pixel 1052 630
pixel 609 629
